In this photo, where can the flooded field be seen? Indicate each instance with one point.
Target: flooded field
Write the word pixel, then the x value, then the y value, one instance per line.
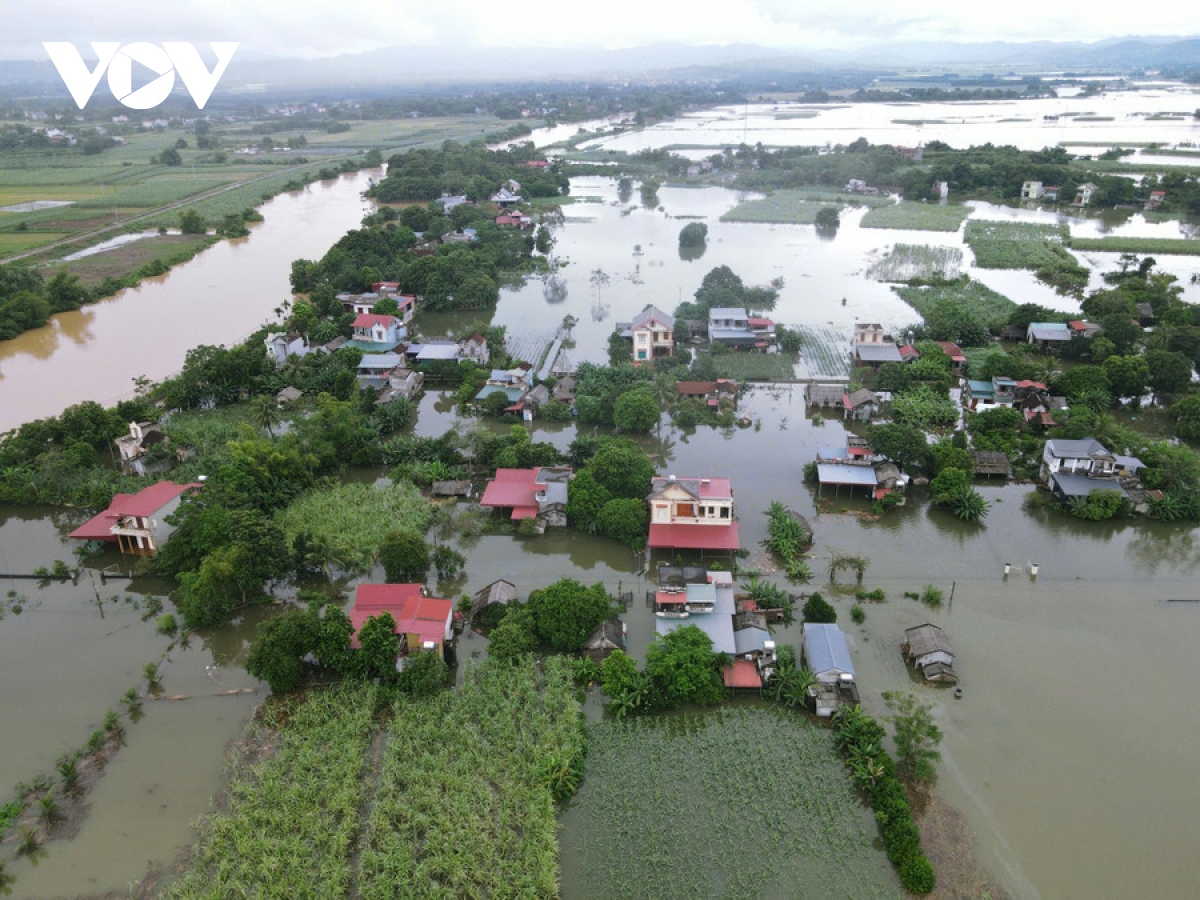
pixel 1072 752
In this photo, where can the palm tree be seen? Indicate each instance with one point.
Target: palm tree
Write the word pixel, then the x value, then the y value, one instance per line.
pixel 265 414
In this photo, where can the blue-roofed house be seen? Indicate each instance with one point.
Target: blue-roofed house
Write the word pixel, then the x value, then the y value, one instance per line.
pixel 827 656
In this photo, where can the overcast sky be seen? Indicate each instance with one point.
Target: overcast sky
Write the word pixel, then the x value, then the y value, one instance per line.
pixel 313 28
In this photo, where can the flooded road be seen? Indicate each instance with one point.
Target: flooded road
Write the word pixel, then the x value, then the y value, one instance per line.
pixel 219 297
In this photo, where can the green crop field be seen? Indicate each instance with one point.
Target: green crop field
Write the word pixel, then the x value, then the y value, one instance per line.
pixel 158 192
pixel 1011 245
pixel 754 366
pixel 737 802
pixel 1156 246
pixel 979 301
pixel 796 207
pixel 916 216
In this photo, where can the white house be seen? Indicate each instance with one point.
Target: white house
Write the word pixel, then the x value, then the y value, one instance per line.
pixel 653 334
pixel 376 329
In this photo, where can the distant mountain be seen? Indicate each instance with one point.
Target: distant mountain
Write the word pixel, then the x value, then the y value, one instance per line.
pixel 417 65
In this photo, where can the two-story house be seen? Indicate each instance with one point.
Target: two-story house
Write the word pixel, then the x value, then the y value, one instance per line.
pixel 730 325
pixel 1074 468
pixel 691 514
pixel 136 523
pixel 653 335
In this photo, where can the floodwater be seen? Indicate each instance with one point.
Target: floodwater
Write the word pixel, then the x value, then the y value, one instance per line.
pixel 1110 118
pixel 219 297
pixel 69 655
pixel 1072 752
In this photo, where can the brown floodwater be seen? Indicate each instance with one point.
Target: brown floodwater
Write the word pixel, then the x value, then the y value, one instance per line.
pixel 219 297
pixel 1072 752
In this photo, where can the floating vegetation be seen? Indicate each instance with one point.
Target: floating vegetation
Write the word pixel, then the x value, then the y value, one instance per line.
pixel 916 216
pixel 737 802
pixel 914 262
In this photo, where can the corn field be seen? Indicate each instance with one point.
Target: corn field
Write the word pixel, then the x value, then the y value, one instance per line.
pixel 293 816
pixel 454 797
pixel 737 802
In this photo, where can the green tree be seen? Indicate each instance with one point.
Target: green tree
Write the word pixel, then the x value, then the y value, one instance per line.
pixel 279 648
pixel 1186 414
pixel 404 556
pixel 693 234
pixel 817 609
pixel 624 520
pixel 565 613
pixel 681 667
pixel 1170 372
pixel 903 444
pixel 169 157
pixel 636 412
pixel 191 222
pixel 378 648
pixel 424 673
pixel 514 636
pixel 948 484
pixel 916 735
pixel 585 498
pixel 333 640
pixel 621 467
pixel 1128 376
pixel 265 414
pixel 827 218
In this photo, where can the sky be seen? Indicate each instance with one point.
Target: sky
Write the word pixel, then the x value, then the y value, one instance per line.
pixel 319 28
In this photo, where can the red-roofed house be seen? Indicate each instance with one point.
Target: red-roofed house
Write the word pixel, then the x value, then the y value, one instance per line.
pixel 742 674
pixel 423 623
pixel 377 329
pixel 135 522
pixel 514 218
pixel 529 493
pixel 958 361
pixel 692 514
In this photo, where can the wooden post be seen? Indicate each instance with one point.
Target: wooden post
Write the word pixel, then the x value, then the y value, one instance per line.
pixel 950 605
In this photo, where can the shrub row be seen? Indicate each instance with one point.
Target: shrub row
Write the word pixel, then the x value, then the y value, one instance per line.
pixel 860 740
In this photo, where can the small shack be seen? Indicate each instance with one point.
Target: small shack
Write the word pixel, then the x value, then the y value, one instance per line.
pixel 927 648
pixel 991 462
pixel 606 637
pixel 501 591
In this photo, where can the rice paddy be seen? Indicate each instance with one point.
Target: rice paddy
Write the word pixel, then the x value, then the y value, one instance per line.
pixel 738 802
pixel 913 262
pixel 916 216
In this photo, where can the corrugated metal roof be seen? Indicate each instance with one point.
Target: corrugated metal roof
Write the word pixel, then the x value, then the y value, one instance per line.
pixel 834 473
pixel 826 650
